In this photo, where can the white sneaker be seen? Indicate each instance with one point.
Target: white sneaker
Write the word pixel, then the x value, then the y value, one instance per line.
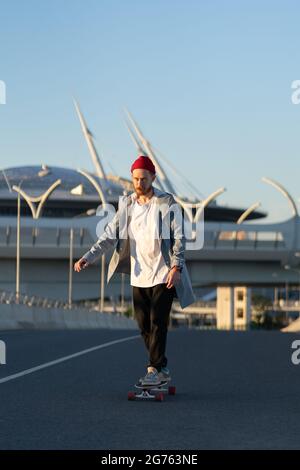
pixel 164 375
pixel 151 378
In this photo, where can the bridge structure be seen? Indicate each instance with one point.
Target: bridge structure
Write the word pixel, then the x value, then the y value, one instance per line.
pixel 233 260
pixel 37 253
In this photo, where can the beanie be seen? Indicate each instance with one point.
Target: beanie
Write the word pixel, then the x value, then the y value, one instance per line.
pixel 143 163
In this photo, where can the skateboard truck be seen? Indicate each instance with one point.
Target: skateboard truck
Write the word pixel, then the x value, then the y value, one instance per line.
pixel 146 392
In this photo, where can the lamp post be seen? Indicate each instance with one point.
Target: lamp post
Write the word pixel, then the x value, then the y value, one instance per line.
pixel 102 198
pixel 18 250
pixel 71 256
pixel 122 292
pixel 36 212
pixel 287 267
pixel 71 268
pixel 275 291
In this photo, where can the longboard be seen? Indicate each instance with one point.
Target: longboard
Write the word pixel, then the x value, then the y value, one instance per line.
pixel 151 392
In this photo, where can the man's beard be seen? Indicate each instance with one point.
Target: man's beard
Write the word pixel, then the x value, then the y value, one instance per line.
pixel 140 191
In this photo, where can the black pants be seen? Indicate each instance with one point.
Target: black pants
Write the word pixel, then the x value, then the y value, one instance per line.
pixel 152 306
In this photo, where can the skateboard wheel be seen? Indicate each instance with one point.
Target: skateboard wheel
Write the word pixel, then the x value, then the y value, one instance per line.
pixel 131 396
pixel 172 390
pixel 159 397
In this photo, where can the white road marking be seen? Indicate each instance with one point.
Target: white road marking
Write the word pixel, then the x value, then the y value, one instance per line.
pixel 65 358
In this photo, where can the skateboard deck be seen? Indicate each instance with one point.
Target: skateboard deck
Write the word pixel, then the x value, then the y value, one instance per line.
pixel 151 392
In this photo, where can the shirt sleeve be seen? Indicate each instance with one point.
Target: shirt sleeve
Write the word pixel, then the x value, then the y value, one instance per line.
pixel 178 240
pixel 105 242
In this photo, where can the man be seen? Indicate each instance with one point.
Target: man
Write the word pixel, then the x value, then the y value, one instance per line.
pixel 156 264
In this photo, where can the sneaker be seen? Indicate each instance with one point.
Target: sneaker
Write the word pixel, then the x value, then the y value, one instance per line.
pixel 151 378
pixel 142 378
pixel 164 374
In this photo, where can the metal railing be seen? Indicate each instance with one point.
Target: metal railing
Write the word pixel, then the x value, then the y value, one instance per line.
pixel 216 239
pixel 8 297
pixel 40 236
pixel 241 239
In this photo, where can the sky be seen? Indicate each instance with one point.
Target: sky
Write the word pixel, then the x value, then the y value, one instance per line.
pixel 209 83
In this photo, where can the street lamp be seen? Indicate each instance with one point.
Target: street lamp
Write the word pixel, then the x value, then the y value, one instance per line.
pixel 122 292
pixel 18 247
pixel 70 267
pixel 275 290
pixel 102 198
pixel 89 212
pixel 36 212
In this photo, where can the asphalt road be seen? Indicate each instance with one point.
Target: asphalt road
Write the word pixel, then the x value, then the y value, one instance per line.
pixel 235 390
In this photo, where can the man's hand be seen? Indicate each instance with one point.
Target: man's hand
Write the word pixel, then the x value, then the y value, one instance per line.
pixel 173 278
pixel 80 264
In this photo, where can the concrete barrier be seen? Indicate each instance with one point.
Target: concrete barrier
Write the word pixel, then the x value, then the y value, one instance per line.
pixel 13 316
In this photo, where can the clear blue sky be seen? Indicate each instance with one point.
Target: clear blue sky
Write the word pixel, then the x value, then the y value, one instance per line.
pixel 208 81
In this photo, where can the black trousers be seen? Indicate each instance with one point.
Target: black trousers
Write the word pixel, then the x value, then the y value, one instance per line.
pixel 152 306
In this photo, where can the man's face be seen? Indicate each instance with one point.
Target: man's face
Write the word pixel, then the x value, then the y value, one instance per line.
pixel 142 181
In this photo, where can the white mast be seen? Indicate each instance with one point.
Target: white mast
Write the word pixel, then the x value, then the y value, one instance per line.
pixel 90 143
pixel 162 175
pixel 142 151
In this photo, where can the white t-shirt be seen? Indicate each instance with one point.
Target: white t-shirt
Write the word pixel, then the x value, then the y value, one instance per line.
pixel 148 266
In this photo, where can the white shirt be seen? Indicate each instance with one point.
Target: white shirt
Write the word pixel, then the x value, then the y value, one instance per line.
pixel 148 266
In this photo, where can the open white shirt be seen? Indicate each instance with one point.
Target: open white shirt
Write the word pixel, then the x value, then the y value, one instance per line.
pixel 148 266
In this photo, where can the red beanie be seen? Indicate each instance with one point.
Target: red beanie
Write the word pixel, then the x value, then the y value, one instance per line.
pixel 143 163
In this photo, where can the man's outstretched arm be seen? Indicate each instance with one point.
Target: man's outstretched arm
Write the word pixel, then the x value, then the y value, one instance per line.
pixel 107 240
